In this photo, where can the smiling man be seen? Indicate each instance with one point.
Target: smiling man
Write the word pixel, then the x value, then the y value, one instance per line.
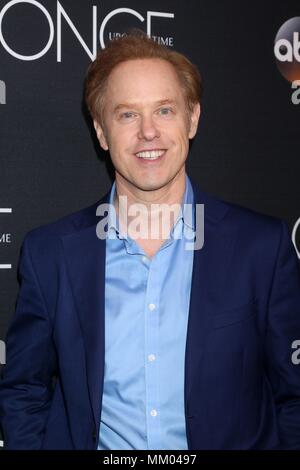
pixel 145 120
pixel 125 340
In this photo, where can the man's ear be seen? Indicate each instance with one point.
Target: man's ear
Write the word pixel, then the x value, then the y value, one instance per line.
pixel 194 119
pixel 100 135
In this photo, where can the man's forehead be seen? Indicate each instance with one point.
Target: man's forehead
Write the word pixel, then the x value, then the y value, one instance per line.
pixel 142 63
pixel 143 82
pixel 135 73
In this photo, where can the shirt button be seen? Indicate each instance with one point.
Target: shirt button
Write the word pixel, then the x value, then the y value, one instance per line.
pixel 145 259
pixel 151 306
pixel 153 413
pixel 151 357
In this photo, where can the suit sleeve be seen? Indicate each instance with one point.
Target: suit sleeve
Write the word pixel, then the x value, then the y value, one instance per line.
pixel 26 385
pixel 283 330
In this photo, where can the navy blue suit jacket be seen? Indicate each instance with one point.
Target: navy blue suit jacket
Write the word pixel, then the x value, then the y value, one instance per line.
pixel 241 390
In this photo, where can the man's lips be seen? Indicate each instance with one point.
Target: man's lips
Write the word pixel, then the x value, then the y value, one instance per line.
pixel 150 154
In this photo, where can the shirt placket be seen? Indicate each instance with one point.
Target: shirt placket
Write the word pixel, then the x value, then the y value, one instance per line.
pixel 152 312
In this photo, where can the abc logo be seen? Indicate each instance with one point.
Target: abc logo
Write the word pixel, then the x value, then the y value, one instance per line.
pixel 287 49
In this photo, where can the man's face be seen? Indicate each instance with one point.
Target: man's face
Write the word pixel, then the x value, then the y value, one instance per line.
pixel 146 125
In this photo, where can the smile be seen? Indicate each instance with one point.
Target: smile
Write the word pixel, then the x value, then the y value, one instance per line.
pixel 150 154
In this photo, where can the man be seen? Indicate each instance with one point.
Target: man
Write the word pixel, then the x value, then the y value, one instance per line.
pixel 153 345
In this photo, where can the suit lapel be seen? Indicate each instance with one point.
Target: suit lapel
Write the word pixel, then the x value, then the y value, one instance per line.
pixel 85 259
pixel 210 267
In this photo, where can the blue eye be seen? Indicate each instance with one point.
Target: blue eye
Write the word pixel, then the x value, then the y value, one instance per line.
pixel 127 115
pixel 165 111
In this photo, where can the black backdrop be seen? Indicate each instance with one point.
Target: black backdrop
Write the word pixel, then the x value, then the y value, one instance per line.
pixel 247 147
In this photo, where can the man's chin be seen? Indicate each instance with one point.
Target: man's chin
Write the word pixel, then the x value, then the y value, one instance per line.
pixel 146 182
pixel 151 185
pixel 156 183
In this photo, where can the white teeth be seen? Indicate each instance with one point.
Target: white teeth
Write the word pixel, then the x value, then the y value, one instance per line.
pixel 150 154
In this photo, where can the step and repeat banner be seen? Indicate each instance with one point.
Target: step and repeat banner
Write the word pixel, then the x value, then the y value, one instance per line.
pixel 247 147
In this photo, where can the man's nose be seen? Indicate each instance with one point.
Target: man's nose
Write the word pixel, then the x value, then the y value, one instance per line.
pixel 148 129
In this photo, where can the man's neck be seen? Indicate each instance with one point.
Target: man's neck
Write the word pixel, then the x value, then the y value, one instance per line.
pixel 172 193
pixel 150 205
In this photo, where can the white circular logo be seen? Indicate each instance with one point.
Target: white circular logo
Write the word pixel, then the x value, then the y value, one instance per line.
pixel 287 49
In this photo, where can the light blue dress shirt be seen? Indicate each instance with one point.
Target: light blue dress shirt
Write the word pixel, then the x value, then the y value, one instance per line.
pixel 146 317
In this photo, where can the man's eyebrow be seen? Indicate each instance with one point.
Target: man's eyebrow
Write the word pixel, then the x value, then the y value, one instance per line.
pixel 135 105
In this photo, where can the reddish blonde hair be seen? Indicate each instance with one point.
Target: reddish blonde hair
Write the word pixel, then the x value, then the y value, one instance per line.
pixel 137 45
